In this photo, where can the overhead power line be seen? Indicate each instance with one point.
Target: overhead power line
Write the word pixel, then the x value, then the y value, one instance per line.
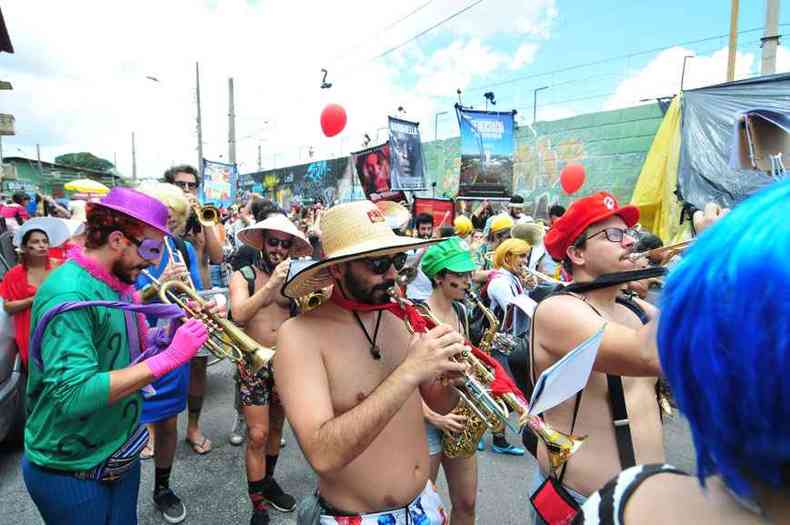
pixel 428 30
pixel 606 60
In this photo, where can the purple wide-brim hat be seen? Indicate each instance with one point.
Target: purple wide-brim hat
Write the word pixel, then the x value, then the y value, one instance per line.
pixel 138 206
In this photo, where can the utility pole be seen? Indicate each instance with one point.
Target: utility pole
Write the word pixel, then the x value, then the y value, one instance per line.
pixel 535 102
pixel 231 125
pixel 260 166
pixel 770 39
pixel 199 122
pixel 38 158
pixel 733 40
pixel 134 161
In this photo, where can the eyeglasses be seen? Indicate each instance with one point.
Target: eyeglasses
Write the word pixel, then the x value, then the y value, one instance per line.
pixel 184 185
pixel 380 265
pixel 502 235
pixel 148 249
pixel 616 234
pixel 274 242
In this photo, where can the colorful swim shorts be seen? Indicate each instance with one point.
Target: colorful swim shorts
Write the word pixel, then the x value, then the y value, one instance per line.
pixel 256 389
pixel 426 509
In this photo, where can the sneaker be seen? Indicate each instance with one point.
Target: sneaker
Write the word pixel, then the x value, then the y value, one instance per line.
pixel 277 498
pixel 173 511
pixel 260 517
pixel 238 431
pixel 507 449
pixel 481 446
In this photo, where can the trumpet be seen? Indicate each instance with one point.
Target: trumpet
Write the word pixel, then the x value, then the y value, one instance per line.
pixel 313 300
pixel 206 215
pixel 226 340
pixel 671 249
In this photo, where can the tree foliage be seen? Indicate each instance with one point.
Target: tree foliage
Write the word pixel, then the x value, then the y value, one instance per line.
pixel 85 160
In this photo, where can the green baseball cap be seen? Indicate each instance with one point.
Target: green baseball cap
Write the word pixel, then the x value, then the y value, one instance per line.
pixel 451 254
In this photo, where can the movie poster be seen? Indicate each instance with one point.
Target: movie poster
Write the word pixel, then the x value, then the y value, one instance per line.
pixel 372 166
pixel 487 146
pixel 219 183
pixel 406 153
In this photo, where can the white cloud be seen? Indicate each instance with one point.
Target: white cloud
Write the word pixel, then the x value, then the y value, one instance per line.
pixel 661 77
pixel 517 17
pixel 454 67
pixel 524 55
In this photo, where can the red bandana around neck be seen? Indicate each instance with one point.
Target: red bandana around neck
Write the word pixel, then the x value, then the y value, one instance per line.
pixel 502 383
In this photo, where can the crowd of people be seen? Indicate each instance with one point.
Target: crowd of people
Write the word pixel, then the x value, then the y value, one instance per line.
pixel 371 314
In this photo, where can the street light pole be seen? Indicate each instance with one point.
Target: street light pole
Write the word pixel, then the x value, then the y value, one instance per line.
pixel 436 124
pixel 683 72
pixel 535 103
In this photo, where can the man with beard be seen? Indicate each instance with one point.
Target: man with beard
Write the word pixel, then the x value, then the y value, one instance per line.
pixel 420 288
pixel 207 244
pixel 593 238
pixel 83 437
pixel 258 306
pixel 351 378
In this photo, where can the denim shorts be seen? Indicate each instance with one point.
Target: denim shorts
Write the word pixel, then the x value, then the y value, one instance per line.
pixel 434 439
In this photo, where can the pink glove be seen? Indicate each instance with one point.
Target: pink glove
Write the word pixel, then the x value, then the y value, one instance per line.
pixel 189 337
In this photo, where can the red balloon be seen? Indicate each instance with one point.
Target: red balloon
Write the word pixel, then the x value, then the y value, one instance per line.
pixel 572 178
pixel 333 119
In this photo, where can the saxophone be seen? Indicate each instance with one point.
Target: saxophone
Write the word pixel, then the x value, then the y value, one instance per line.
pixel 464 443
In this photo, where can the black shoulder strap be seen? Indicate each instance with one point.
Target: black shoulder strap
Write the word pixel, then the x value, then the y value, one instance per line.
pixel 181 246
pixel 460 311
pixel 248 272
pixel 632 305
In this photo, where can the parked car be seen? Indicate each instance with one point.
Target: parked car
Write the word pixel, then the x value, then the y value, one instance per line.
pixel 12 383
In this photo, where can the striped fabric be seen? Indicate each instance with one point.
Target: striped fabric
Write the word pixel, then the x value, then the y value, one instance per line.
pixel 606 507
pixel 122 459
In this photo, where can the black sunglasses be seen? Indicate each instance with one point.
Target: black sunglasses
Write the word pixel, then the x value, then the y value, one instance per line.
pixel 274 242
pixel 502 235
pixel 380 265
pixel 616 234
pixel 184 185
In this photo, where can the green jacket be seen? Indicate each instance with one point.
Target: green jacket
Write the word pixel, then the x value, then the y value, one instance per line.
pixel 70 425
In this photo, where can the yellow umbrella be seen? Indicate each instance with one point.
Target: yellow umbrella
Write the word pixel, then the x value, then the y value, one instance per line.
pixel 87 186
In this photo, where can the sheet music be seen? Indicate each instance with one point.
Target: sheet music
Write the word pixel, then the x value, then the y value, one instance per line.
pixel 565 378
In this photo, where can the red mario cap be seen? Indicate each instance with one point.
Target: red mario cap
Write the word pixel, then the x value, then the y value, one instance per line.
pixel 580 215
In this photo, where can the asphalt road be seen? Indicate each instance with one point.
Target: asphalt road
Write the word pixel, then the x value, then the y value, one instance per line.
pixel 213 487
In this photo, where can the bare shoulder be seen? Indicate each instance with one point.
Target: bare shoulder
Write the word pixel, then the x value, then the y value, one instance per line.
pixel 562 313
pixel 304 333
pixel 673 498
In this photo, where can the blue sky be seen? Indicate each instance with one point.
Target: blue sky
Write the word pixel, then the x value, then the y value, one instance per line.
pixel 80 81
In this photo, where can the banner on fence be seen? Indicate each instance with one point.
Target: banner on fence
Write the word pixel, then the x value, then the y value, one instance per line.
pixel 487 146
pixel 406 153
pixel 372 166
pixel 219 183
pixel 442 210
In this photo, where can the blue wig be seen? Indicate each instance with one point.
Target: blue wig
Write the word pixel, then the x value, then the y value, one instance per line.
pixel 724 342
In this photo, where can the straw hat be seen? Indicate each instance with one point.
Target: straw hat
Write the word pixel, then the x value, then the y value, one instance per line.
pixel 253 235
pixel 532 232
pixel 350 231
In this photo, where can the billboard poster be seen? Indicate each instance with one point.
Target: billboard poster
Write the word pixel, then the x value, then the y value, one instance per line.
pixel 372 167
pixel 406 153
pixel 219 183
pixel 487 146
pixel 442 210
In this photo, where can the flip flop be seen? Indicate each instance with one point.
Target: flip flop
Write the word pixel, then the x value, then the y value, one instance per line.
pixel 204 447
pixel 148 451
